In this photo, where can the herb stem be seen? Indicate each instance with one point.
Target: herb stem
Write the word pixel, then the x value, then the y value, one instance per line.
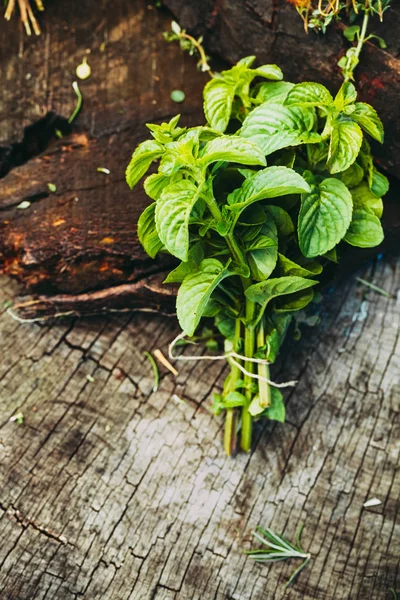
pixel 263 370
pixel 203 58
pixel 249 339
pixel 231 413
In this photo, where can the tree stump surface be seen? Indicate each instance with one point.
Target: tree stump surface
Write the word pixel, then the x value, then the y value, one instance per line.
pixel 109 490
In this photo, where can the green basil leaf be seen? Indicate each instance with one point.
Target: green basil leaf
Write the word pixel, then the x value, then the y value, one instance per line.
pixel 195 292
pixel 344 146
pixel 141 160
pixel 273 91
pixel 368 119
pixel 351 32
pixel 365 230
pixel 324 217
pixel 247 61
pixel 147 232
pixel 380 184
pixel 218 98
pixel 155 184
pixel 234 399
pixel 345 96
pixel 289 267
pixel 267 183
pixel 263 292
pixel 269 72
pixel 272 126
pixel 262 261
pixel 296 301
pixel 309 94
pixel 282 219
pixel 277 410
pixel 366 161
pixel 173 211
pixel 351 176
pixel 232 149
pixel 225 325
pixel 195 256
pixel 364 198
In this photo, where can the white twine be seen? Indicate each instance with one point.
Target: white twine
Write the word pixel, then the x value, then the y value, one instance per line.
pixel 230 357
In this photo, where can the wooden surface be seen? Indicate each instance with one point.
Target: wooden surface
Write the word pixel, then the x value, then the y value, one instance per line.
pixel 79 242
pixel 83 236
pixel 109 491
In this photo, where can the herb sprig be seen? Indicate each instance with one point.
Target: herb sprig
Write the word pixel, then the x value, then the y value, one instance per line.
pixel 252 240
pixel 277 548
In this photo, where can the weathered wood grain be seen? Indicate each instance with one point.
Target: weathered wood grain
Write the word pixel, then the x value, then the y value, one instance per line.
pixel 109 491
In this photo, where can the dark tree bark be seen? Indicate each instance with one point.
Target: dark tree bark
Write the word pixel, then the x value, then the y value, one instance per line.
pixel 274 33
pixel 77 247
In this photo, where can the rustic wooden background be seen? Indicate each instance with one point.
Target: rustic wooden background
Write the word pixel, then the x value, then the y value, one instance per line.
pixel 109 491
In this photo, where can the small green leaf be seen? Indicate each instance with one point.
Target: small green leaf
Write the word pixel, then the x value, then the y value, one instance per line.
pixel 265 291
pixel 324 217
pixel 273 91
pixel 281 218
pixel 345 145
pixel 295 302
pixel 141 160
pixel 350 33
pixel 309 94
pixel 232 149
pixel 269 72
pixel 346 95
pixel 147 232
pixel 234 399
pixel 52 187
pixel 195 292
pixel 289 267
pixel 155 184
pixel 364 198
pixel 368 119
pixel 272 126
pixel 173 210
pixel 365 230
pixel 267 183
pixel 246 61
pixel 262 260
pixel 380 184
pixel 277 410
pixel 195 256
pixel 351 176
pixel 218 98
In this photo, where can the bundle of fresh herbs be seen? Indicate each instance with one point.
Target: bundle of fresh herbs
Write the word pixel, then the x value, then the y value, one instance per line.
pixel 252 240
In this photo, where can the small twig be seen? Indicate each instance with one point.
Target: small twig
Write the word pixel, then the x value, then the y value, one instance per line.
pixel 160 356
pixel 374 287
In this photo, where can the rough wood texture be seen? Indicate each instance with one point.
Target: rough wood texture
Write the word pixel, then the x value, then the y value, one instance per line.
pixel 273 31
pixel 83 236
pixel 109 491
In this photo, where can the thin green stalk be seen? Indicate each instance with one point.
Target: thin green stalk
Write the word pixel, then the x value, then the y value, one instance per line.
pixel 231 413
pixel 78 102
pixel 264 389
pixel 363 33
pixel 249 339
